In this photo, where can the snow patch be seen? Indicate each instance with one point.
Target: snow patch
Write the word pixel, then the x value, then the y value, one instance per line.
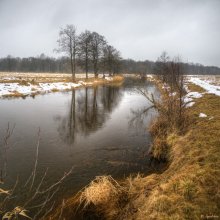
pixel 188 99
pixel 190 104
pixel 108 78
pixel 205 84
pixel 172 94
pixel 11 88
pixel 194 95
pixel 186 88
pixel 149 76
pixel 166 87
pixel 202 115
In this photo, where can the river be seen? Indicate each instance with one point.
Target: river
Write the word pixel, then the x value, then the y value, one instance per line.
pixel 89 129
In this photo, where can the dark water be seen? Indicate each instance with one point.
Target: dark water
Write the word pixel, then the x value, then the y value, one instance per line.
pixel 90 129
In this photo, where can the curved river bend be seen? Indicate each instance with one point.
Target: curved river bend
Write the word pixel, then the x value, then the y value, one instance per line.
pixel 90 129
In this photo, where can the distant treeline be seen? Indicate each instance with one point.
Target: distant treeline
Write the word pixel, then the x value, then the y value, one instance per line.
pixel 44 63
pixel 149 67
pixel 40 63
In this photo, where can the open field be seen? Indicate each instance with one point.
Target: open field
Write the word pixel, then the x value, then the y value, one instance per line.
pixel 6 77
pixel 211 79
pixel 24 84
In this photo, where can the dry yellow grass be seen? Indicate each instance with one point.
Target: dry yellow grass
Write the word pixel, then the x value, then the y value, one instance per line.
pixel 117 79
pixel 195 88
pixel 101 199
pixel 35 78
pixel 101 191
pixel 15 94
pixel 11 77
pixel 189 188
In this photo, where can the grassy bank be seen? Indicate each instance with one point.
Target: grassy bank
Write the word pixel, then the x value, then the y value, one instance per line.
pixel 188 189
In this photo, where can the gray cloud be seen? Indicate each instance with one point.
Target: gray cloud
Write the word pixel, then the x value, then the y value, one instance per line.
pixel 140 29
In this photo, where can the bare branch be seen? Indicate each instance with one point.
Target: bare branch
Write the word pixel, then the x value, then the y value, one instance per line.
pixel 36 161
pixel 58 182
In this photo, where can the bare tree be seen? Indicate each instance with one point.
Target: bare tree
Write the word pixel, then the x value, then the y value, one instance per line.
pixel 85 50
pixel 111 59
pixel 171 73
pixel 97 44
pixel 161 68
pixel 173 117
pixel 68 42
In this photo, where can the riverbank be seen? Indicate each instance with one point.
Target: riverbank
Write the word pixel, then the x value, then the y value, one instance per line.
pixel 188 189
pixel 31 84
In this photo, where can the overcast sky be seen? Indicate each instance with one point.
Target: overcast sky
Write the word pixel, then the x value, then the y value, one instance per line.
pixel 140 29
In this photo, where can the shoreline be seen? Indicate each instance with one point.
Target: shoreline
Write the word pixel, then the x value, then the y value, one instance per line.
pixel 14 85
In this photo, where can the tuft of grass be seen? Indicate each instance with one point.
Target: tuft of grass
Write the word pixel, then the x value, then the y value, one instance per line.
pixel 102 190
pixel 33 82
pixel 101 199
pixel 98 81
pixel 160 148
pixel 188 189
pixel 55 90
pixel 118 78
pixel 24 83
pixel 13 94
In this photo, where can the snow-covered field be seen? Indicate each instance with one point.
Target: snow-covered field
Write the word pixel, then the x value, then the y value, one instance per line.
pixel 211 84
pixel 211 79
pixel 23 84
pixel 15 88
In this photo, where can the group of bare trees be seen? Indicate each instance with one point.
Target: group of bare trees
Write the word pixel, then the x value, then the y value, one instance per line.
pixel 89 110
pixel 88 50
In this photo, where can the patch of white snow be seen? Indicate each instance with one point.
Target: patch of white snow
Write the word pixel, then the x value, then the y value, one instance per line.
pixel 202 115
pixel 194 95
pixel 11 88
pixel 213 89
pixel 188 99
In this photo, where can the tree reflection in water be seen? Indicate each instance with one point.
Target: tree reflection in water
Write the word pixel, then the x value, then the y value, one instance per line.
pixel 89 110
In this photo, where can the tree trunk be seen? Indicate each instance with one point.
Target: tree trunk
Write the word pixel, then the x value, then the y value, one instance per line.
pixel 72 67
pixel 86 67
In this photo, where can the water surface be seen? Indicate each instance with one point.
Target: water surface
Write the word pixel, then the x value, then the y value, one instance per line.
pixel 89 129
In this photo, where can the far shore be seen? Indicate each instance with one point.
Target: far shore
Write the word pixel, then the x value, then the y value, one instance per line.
pixel 14 84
